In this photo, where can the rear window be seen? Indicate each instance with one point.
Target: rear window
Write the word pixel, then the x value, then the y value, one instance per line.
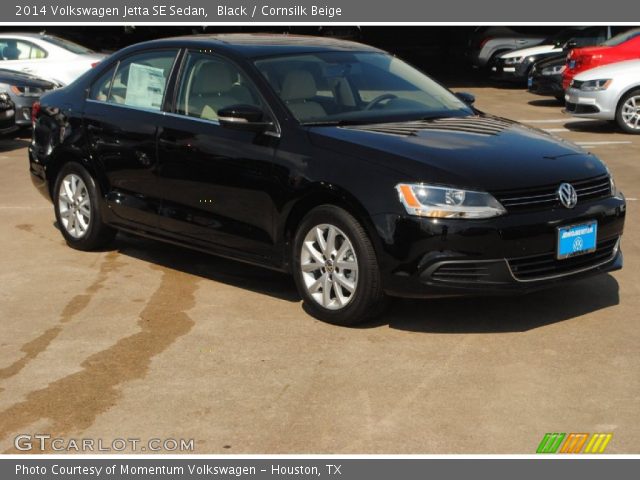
pixel 623 37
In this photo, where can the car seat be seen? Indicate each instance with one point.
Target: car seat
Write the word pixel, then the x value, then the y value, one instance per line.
pixel 298 91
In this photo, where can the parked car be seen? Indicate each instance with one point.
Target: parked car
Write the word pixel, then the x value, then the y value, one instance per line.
pixel 24 90
pixel 625 46
pixel 7 114
pixel 487 43
pixel 46 56
pixel 328 159
pixel 545 77
pixel 514 66
pixel 611 92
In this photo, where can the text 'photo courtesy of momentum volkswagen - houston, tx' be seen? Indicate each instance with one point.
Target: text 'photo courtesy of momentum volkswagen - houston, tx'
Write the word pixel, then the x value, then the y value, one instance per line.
pixel 328 159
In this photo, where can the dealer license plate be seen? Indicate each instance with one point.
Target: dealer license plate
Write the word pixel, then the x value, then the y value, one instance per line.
pixel 577 239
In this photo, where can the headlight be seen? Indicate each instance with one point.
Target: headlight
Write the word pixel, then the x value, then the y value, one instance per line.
pixel 513 60
pixel 612 184
pixel 24 91
pixel 447 202
pixel 595 85
pixel 557 70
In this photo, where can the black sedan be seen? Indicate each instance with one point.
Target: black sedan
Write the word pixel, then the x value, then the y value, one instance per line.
pixel 331 160
pixel 545 77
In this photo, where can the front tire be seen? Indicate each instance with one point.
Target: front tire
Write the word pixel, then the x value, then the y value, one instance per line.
pixel 628 112
pixel 77 207
pixel 335 267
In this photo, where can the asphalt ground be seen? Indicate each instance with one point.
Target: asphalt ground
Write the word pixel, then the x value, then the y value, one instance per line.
pixel 147 340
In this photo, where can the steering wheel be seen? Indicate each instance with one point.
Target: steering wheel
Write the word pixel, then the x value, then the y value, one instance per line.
pixel 380 98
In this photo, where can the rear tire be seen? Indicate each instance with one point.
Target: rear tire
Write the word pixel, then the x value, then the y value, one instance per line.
pixel 77 206
pixel 335 268
pixel 628 112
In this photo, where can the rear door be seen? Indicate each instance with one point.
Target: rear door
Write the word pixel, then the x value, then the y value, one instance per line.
pixel 122 115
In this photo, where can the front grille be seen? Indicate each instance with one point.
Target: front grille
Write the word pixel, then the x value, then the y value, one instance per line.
pixel 547 197
pixel 461 272
pixel 546 265
pixel 579 108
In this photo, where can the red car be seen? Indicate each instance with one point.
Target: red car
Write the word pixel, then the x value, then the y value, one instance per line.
pixel 625 46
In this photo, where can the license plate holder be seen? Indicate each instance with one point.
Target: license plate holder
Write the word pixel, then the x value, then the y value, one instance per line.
pixel 577 239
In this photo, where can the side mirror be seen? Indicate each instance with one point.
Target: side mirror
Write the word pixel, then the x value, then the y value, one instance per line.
pixel 467 98
pixel 243 117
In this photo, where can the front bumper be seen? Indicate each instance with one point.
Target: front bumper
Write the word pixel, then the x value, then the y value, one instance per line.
pixel 500 71
pixel 514 253
pixel 547 85
pixel 600 104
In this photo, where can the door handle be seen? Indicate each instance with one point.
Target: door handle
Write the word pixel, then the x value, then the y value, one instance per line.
pixel 171 143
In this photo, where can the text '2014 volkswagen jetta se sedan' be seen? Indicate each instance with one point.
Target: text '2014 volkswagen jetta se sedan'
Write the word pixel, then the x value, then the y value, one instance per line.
pixel 328 159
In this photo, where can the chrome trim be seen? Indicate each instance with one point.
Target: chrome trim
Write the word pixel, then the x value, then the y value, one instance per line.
pixel 616 248
pixel 171 114
pixel 122 105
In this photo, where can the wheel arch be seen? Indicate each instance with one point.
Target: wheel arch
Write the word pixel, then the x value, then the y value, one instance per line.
pixel 61 159
pixel 622 94
pixel 315 196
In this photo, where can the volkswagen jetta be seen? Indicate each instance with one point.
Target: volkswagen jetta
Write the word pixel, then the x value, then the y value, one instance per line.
pixel 331 160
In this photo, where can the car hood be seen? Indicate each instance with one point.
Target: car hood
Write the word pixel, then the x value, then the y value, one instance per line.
pixel 481 152
pixel 24 79
pixel 612 70
pixel 530 51
pixel 551 61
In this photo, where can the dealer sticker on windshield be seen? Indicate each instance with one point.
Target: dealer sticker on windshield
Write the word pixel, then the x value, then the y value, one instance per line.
pixel 577 239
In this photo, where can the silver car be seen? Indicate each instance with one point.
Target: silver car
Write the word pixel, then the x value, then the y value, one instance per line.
pixel 24 90
pixel 610 92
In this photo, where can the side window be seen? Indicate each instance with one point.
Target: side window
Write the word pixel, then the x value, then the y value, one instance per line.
pixel 209 83
pixel 141 80
pixel 100 88
pixel 13 49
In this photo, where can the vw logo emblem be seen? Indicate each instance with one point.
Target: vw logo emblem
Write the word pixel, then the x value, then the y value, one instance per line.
pixel 577 244
pixel 567 195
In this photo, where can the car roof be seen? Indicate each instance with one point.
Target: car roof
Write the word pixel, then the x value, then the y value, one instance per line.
pixel 25 34
pixel 253 45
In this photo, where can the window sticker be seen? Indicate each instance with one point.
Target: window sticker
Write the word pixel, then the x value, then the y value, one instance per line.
pixel 145 86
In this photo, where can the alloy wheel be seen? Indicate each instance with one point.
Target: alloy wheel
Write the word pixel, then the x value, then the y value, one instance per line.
pixel 631 112
pixel 329 266
pixel 74 205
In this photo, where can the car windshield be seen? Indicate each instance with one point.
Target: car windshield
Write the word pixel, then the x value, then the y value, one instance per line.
pixel 346 87
pixel 68 45
pixel 621 38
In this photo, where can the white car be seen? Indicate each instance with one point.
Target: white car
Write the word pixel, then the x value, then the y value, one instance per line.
pixel 610 92
pixel 46 56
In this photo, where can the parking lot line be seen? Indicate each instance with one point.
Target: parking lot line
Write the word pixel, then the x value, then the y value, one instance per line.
pixel 546 120
pixel 620 142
